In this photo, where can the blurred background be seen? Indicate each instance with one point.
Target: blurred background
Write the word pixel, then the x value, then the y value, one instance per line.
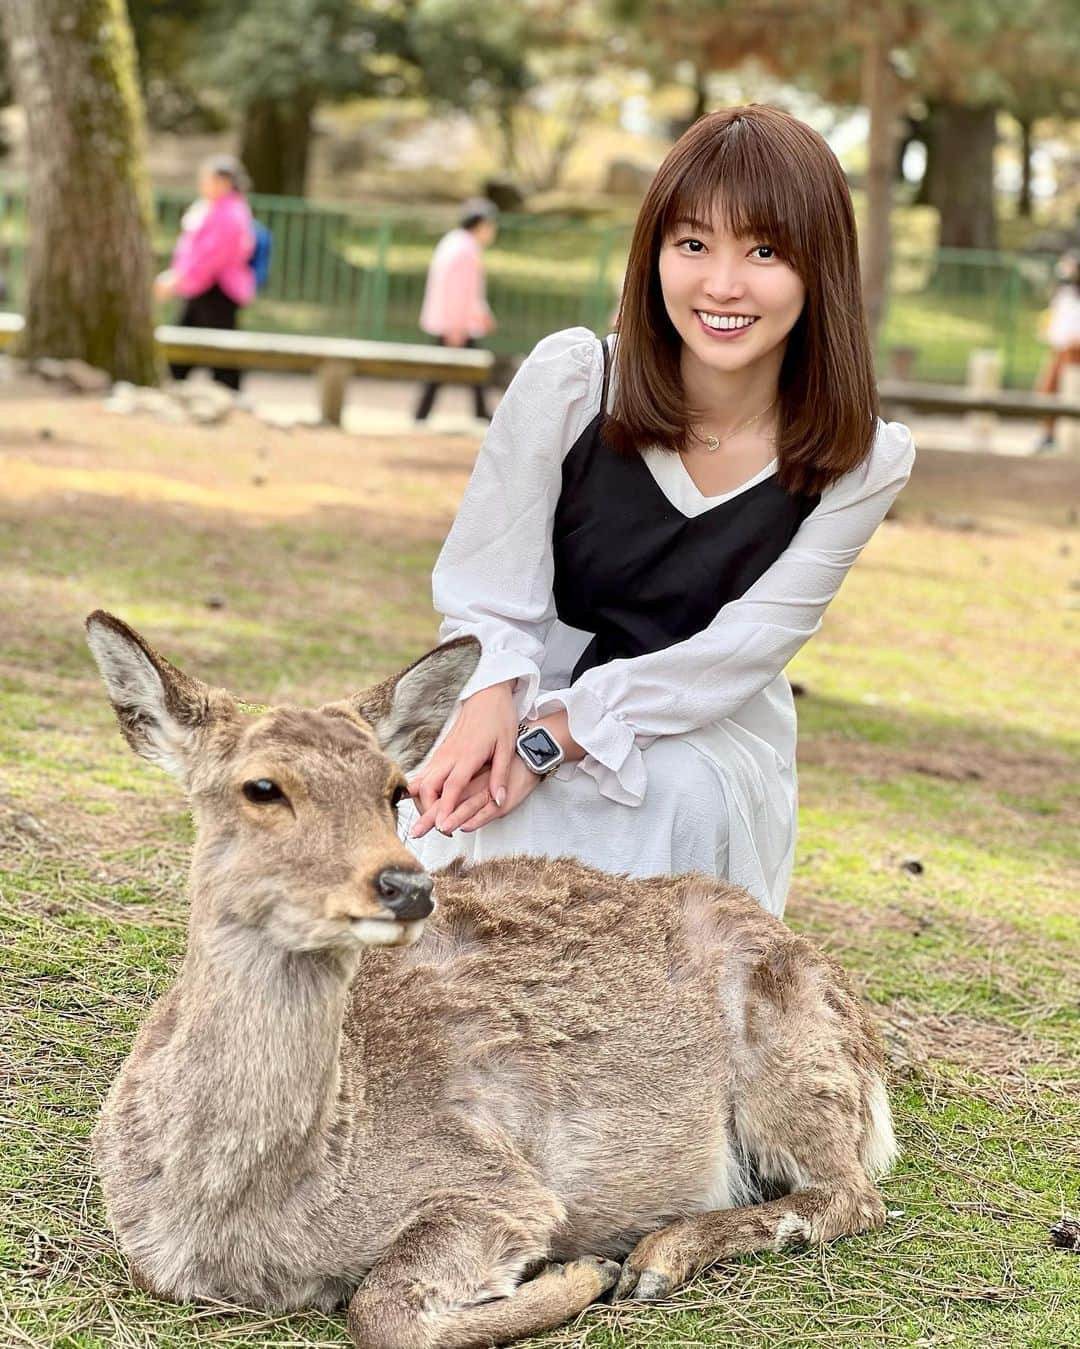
pixel 363 124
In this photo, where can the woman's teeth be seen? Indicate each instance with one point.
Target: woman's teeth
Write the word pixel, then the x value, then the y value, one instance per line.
pixel 723 322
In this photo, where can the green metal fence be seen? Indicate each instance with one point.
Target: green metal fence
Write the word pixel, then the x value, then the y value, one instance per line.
pixel 349 271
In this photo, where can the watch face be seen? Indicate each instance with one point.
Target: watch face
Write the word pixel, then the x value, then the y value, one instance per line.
pixel 540 747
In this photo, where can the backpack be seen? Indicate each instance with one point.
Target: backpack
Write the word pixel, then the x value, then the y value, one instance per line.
pixel 260 257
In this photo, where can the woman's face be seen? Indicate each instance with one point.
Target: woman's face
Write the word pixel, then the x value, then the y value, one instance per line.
pixel 732 301
pixel 214 185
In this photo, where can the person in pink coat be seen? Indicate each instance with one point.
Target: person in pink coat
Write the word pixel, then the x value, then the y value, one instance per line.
pixel 211 264
pixel 455 310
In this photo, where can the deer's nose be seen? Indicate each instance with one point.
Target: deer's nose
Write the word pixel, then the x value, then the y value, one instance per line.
pixel 407 894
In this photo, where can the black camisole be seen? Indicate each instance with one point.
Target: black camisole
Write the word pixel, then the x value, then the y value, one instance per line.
pixel 638 573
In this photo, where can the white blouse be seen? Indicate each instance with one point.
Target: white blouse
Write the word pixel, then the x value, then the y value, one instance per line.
pixel 494 579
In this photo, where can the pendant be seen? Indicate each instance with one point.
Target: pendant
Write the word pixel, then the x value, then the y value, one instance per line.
pixel 712 444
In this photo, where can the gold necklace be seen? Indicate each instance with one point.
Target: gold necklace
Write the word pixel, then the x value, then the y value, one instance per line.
pixel 713 443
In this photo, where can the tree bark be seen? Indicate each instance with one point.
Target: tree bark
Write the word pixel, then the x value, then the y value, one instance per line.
pixel 275 144
pixel 1023 205
pixel 962 183
pixel 881 98
pixel 89 260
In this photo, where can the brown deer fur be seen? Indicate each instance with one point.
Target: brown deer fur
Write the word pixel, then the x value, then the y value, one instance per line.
pixel 457 1126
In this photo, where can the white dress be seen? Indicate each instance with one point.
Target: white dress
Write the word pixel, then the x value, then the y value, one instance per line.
pixel 690 751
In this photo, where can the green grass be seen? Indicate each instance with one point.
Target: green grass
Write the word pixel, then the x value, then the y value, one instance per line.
pixel 936 726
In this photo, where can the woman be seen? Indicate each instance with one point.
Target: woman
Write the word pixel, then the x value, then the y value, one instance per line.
pixel 656 524
pixel 211 264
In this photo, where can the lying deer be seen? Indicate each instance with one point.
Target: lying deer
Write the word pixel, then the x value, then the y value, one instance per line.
pixel 460 1119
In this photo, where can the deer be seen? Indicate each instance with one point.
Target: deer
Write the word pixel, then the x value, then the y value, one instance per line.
pixel 465 1105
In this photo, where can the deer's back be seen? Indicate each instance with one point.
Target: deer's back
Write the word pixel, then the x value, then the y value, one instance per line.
pixel 593 1023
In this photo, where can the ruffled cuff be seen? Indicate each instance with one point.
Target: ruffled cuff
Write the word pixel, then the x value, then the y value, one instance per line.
pixel 498 666
pixel 612 757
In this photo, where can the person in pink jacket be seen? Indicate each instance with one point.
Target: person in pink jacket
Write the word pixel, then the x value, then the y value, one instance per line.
pixel 211 264
pixel 455 309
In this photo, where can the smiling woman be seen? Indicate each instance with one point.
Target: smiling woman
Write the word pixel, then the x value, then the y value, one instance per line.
pixel 656 524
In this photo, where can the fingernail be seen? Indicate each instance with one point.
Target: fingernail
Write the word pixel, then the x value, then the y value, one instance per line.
pixel 439 824
pixel 500 797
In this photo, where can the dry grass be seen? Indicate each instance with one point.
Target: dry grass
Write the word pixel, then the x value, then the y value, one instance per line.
pixel 939 725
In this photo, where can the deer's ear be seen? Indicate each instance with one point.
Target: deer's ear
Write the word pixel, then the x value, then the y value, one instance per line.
pixel 159 708
pixel 408 710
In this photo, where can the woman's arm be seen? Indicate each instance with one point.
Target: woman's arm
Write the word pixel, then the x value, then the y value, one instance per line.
pixel 493 579
pixel 711 675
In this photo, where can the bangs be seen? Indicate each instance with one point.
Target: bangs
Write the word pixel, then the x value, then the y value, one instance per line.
pixel 748 185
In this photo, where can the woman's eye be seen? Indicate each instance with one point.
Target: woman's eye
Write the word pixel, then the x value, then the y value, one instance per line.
pixel 764 252
pixel 692 245
pixel 261 791
pixel 398 795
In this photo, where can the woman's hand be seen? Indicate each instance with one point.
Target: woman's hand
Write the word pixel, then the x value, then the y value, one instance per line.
pixel 477 807
pixel 481 740
pixel 164 285
pixel 521 782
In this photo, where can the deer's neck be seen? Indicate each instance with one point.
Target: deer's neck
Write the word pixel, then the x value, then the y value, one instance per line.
pixel 255 1058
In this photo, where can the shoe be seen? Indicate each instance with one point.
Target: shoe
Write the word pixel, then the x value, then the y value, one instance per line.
pixel 1045 445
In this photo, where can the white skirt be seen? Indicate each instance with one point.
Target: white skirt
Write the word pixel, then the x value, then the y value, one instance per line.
pixel 720 801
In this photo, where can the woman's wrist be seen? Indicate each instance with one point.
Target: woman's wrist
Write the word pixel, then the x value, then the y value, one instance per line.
pixel 493 693
pixel 557 723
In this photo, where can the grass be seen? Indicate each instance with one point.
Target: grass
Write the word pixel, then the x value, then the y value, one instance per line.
pixel 938 727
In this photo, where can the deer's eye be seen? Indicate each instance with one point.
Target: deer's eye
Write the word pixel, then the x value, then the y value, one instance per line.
pixel 398 795
pixel 262 792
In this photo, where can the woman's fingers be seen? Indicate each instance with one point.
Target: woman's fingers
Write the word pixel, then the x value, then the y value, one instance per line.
pixel 456 784
pixel 500 768
pixel 425 788
pixel 473 803
pixel 424 823
pixel 483 816
pixel 474 797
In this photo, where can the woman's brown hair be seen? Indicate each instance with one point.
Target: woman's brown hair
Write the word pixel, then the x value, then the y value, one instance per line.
pixel 772 178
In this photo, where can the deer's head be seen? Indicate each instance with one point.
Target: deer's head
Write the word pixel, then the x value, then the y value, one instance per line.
pixel 295 810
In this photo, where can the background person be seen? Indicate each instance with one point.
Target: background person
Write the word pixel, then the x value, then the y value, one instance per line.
pixel 211 264
pixel 656 524
pixel 1063 335
pixel 455 308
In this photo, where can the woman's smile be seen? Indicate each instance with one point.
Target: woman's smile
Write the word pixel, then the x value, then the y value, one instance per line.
pixel 725 326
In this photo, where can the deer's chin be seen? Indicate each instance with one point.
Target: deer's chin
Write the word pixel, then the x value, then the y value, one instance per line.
pixel 386 931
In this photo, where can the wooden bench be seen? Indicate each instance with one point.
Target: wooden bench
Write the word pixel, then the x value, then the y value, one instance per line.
pixel 333 360
pixel 950 398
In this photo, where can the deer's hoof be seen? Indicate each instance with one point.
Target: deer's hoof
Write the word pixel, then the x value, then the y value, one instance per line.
pixel 642 1285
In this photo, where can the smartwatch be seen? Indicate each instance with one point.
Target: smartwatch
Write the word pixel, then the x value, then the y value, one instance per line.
pixel 539 749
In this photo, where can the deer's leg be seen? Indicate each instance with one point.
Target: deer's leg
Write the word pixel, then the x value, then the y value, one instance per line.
pixel 451 1281
pixel 663 1260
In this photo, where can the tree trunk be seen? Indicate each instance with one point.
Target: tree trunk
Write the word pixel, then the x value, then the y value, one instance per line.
pixel 1023 205
pixel 881 98
pixel 962 183
pixel 89 261
pixel 275 144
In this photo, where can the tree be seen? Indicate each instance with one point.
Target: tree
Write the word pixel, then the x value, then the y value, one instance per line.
pixel 168 35
pixel 531 69
pixel 89 259
pixel 276 60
